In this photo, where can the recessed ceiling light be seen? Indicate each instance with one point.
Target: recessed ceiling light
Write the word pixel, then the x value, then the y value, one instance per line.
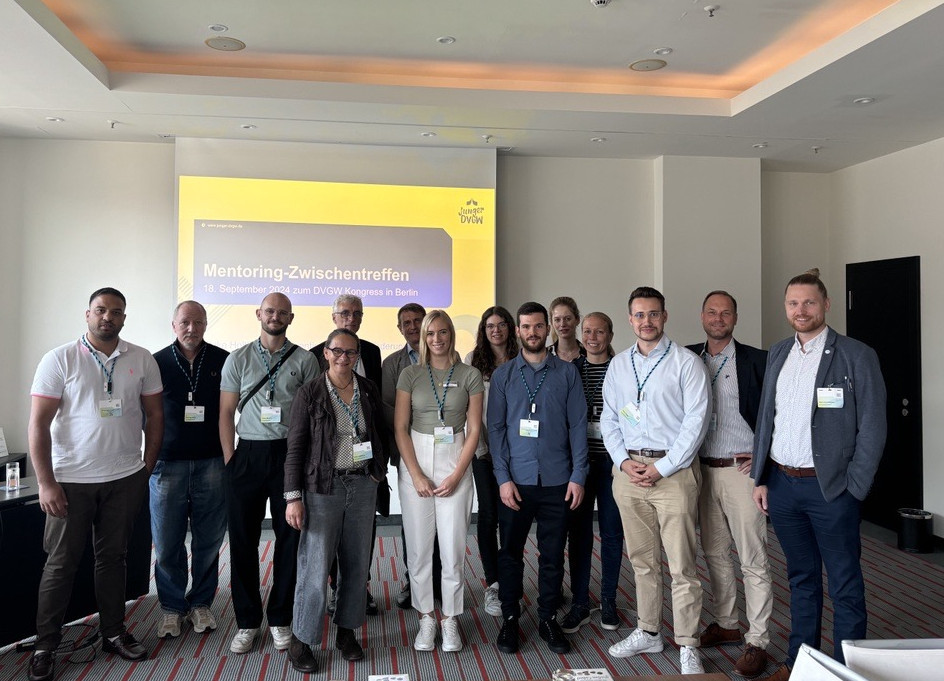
pixel 598 140
pixel 815 149
pixel 662 51
pixel 247 126
pixel 55 119
pixel 863 101
pixel 760 145
pixel 648 65
pixel 445 40
pixel 218 28
pixel 428 133
pixel 225 44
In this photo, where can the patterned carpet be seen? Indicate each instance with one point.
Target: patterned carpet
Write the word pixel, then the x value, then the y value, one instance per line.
pixel 905 599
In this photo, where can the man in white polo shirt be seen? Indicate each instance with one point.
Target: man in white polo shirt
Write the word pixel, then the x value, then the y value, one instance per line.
pixel 89 399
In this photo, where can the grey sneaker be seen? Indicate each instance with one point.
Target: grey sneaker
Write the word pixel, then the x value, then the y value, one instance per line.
pixel 202 619
pixel 169 626
pixel 492 601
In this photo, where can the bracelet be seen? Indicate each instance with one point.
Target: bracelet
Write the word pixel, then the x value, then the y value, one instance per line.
pixel 293 495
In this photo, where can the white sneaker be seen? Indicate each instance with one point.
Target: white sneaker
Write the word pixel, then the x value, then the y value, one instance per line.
pixel 202 620
pixel 169 626
pixel 492 601
pixel 691 661
pixel 242 641
pixel 452 641
pixel 426 637
pixel 636 643
pixel 281 637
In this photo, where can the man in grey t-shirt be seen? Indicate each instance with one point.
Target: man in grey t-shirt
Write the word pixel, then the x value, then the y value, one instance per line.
pixel 260 380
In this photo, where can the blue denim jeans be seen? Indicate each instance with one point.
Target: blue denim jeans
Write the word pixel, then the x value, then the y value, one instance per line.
pixel 599 487
pixel 182 493
pixel 337 524
pixel 814 532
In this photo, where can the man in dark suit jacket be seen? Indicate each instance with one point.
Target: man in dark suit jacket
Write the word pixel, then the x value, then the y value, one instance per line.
pixel 819 439
pixel 725 505
pixel 348 313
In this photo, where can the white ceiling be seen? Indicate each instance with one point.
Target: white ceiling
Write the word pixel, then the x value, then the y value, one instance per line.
pixel 543 77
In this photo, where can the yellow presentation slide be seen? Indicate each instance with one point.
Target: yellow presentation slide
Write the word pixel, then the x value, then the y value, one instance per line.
pixel 241 239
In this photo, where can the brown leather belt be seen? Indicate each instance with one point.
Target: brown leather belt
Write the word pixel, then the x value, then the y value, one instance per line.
pixel 717 463
pixel 796 472
pixel 650 453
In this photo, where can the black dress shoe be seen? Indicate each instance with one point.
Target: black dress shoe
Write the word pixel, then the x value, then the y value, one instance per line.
pixel 301 657
pixel 405 597
pixel 42 665
pixel 347 643
pixel 125 646
pixel 508 636
pixel 551 632
pixel 372 608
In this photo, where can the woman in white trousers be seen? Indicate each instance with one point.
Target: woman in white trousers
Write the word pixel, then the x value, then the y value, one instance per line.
pixel 437 421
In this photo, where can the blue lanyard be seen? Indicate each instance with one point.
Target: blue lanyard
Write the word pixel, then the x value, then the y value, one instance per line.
pixel 718 372
pixel 108 373
pixel 533 395
pixel 353 411
pixel 270 393
pixel 193 384
pixel 591 395
pixel 441 403
pixel 640 386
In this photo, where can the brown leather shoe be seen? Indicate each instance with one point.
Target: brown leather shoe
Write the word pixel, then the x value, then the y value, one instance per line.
pixel 716 635
pixel 752 662
pixel 782 674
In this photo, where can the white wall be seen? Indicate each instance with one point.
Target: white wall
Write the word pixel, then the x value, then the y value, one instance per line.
pixel 575 227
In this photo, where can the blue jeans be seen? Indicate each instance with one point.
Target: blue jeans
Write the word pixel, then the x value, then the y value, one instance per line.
pixel 599 487
pixel 183 491
pixel 337 524
pixel 813 533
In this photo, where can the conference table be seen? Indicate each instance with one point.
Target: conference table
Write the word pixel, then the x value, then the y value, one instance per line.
pixel 22 558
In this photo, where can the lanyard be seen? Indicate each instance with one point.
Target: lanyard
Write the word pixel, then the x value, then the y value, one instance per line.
pixel 353 411
pixel 640 386
pixel 718 372
pixel 533 395
pixel 193 383
pixel 441 403
pixel 590 395
pixel 108 373
pixel 270 393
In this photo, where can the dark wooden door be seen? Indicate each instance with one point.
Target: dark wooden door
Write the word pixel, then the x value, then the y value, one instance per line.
pixel 883 310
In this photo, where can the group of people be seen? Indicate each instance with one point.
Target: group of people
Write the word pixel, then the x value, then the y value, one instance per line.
pixel 662 438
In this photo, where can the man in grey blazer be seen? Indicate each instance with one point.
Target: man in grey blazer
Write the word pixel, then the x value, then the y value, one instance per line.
pixel 819 438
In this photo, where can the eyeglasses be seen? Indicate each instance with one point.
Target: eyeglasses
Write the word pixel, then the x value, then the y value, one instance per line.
pixel 651 315
pixel 500 325
pixel 337 352
pixel 347 314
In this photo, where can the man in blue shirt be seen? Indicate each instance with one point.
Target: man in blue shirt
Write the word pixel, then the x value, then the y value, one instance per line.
pixel 537 430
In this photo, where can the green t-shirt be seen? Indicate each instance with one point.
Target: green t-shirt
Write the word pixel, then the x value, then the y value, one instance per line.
pixel 465 381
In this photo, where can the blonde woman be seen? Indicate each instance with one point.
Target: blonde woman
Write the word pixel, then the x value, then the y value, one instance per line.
pixel 565 324
pixel 437 420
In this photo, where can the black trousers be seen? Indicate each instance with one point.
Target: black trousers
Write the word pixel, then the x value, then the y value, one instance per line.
pixel 547 506
pixel 255 475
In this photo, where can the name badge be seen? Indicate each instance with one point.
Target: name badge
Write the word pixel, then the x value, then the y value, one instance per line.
pixel 631 413
pixel 593 430
pixel 450 385
pixel 528 428
pixel 271 414
pixel 194 414
pixel 443 435
pixel 713 423
pixel 109 409
pixel 829 398
pixel 363 452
